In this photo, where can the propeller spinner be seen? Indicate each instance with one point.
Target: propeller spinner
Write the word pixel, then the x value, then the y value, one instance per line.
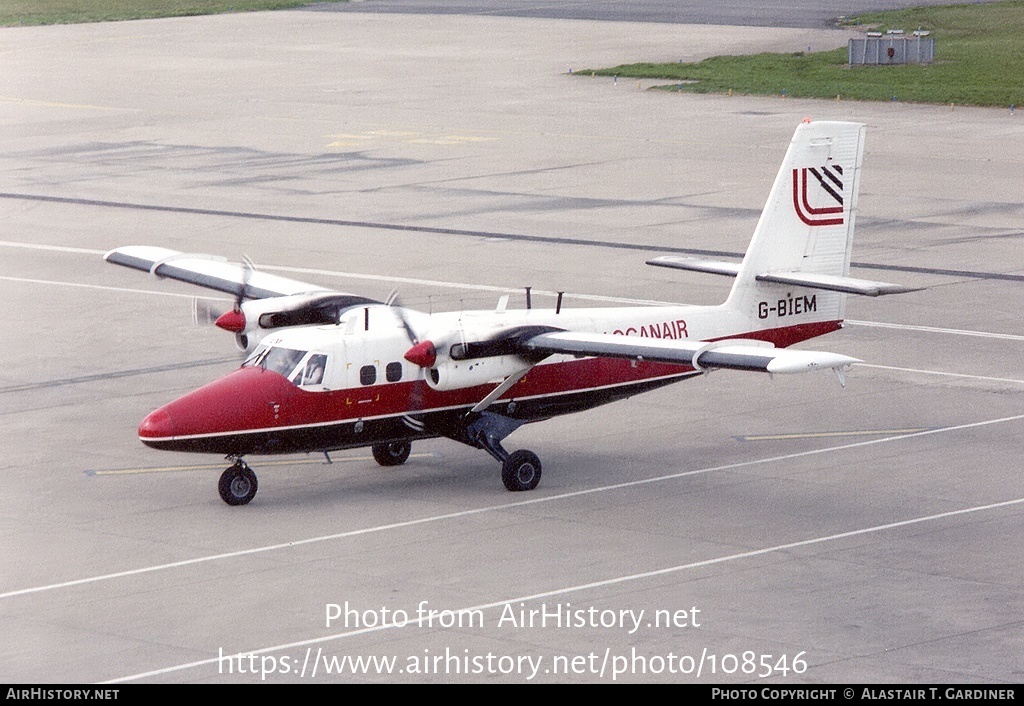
pixel 422 354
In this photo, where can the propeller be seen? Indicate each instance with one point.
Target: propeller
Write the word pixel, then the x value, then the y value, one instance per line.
pixel 234 320
pixel 396 305
pixel 205 313
pixel 422 353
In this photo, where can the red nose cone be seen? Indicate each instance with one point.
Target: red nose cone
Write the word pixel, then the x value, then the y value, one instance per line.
pixel 157 425
pixel 422 354
pixel 233 321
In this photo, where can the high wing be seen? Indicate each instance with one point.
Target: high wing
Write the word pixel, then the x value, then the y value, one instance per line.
pixel 263 302
pixel 208 271
pixel 733 354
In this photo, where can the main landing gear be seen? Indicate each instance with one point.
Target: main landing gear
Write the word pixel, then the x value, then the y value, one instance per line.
pixel 394 453
pixel 520 470
pixel 238 484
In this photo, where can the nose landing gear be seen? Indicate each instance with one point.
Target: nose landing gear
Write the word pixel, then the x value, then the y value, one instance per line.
pixel 238 484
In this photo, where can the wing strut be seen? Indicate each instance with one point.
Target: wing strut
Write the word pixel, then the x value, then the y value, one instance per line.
pixel 500 390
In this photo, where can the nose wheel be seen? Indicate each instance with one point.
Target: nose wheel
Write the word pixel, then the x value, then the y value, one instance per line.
pixel 238 484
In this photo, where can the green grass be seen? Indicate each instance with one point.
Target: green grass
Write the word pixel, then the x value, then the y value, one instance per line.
pixel 48 12
pixel 979 51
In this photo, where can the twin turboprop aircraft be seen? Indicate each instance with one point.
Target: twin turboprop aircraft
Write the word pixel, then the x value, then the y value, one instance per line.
pixel 329 370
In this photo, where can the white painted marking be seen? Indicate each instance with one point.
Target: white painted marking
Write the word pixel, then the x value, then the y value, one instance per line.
pixel 503 290
pixel 587 586
pixel 499 507
pixel 81 285
pixel 53 248
pixel 51 104
pixel 458 285
pixel 937 372
pixel 365 277
pixel 932 329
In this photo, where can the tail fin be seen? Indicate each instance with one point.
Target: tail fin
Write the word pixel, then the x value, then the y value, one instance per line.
pixel 797 268
pixel 805 234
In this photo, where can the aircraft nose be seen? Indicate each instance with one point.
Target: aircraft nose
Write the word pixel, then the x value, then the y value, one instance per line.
pixel 157 425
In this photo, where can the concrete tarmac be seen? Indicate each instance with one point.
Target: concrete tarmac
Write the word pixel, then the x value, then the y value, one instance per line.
pixel 763 13
pixel 770 531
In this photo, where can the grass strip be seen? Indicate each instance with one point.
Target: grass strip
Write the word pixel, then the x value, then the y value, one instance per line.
pixel 48 12
pixel 979 51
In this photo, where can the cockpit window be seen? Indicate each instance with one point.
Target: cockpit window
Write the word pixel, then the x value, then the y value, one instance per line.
pixel 255 356
pixel 280 360
pixel 313 372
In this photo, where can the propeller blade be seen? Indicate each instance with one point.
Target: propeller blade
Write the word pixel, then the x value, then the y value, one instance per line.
pixel 395 303
pixel 247 269
pixel 205 313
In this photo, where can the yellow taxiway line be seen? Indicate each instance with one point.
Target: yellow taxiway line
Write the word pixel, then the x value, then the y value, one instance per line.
pixel 223 465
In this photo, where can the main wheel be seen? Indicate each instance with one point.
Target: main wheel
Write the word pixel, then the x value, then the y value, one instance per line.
pixel 521 470
pixel 237 485
pixel 392 454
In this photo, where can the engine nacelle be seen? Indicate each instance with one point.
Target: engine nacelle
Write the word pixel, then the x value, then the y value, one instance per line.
pixel 247 342
pixel 250 328
pixel 460 374
pixel 261 316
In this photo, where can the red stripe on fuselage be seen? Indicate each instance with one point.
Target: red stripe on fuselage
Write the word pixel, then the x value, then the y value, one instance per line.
pixel 252 398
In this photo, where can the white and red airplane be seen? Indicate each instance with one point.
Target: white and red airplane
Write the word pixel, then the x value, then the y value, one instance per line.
pixel 331 370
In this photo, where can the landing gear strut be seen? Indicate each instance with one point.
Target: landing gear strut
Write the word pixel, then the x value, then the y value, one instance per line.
pixel 238 484
pixel 520 470
pixel 392 454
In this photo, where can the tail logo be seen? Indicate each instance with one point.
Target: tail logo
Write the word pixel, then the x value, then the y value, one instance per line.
pixel 827 193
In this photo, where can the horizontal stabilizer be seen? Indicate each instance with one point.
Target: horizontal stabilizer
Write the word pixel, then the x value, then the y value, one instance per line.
pixel 207 271
pixel 833 283
pixel 694 264
pixel 812 280
pixel 733 354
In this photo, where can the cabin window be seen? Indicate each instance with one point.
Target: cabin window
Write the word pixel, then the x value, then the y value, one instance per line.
pixel 393 372
pixel 368 374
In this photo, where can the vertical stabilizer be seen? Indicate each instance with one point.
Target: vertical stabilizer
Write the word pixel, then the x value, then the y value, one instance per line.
pixel 807 224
